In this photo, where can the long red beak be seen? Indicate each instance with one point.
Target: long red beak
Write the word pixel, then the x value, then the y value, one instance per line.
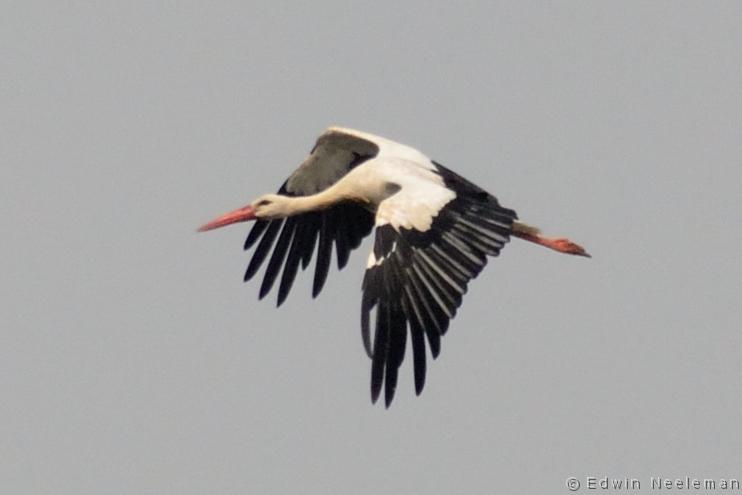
pixel 239 215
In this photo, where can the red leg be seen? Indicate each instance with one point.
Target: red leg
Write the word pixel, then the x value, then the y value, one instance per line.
pixel 561 244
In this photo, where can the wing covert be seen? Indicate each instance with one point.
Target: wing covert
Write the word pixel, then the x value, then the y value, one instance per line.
pixel 335 154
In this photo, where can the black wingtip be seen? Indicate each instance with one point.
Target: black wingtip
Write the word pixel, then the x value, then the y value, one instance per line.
pixel 375 395
pixel 419 384
pixel 365 328
pixel 250 271
pixel 316 290
pixel 388 398
pixel 281 298
pixel 287 280
pixel 377 379
pixel 390 385
pixel 320 274
pixel 435 348
pixel 255 233
pixel 263 292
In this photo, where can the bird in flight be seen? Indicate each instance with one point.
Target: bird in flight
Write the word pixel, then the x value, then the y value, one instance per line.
pixel 434 232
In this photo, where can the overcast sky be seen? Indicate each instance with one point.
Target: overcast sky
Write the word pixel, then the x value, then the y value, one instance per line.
pixel 134 360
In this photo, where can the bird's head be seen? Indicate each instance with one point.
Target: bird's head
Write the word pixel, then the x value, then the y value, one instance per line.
pixel 268 206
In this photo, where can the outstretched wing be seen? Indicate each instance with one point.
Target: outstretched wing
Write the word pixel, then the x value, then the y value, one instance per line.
pixel 293 239
pixel 416 278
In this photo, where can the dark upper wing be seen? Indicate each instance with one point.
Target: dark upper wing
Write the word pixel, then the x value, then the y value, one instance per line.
pixel 295 238
pixel 334 155
pixel 417 279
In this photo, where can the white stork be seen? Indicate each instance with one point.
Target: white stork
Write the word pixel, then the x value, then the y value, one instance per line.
pixel 434 231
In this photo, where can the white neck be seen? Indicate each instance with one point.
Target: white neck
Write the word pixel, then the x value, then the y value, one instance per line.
pixel 316 202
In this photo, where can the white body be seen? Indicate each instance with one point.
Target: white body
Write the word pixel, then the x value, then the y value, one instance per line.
pixel 420 196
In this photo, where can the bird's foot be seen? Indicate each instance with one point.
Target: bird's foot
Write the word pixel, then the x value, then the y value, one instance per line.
pixel 566 246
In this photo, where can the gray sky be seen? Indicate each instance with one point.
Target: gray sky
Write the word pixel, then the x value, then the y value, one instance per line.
pixel 134 360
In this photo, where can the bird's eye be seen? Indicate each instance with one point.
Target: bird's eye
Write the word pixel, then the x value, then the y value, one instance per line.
pixel 262 202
